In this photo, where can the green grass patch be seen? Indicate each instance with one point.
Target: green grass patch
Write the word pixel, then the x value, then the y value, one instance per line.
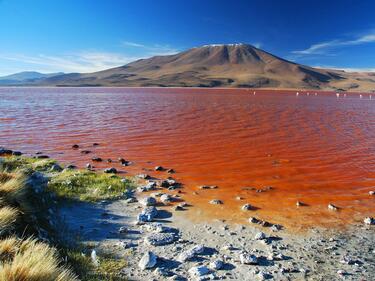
pixel 88 186
pixel 16 163
pixel 109 266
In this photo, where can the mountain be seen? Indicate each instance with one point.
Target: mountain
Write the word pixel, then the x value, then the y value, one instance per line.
pixel 25 77
pixel 230 65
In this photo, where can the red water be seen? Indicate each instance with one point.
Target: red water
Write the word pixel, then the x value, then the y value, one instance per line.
pixel 318 149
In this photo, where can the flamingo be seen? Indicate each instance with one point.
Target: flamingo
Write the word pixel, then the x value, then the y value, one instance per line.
pixel 297 94
pixel 337 95
pixel 360 96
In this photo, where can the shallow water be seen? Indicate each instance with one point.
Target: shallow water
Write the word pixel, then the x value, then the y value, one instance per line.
pixel 318 149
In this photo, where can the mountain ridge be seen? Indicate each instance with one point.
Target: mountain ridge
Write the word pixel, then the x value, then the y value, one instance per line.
pixel 218 65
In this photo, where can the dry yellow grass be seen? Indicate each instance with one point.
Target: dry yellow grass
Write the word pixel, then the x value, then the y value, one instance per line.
pixel 24 259
pixel 29 260
pixel 8 216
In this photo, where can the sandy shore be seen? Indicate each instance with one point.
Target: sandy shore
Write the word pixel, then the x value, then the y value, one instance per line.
pixel 215 250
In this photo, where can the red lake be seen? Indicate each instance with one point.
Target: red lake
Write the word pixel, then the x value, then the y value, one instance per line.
pixel 316 148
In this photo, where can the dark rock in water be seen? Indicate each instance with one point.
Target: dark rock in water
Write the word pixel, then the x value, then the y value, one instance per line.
pixel 42 157
pixel 89 166
pixel 179 208
pixel 247 207
pixel 164 183
pixel 159 168
pixel 71 167
pixel 144 176
pixel 75 146
pixel 216 202
pixel 254 220
pixel 4 151
pixel 17 153
pixel 300 204
pixel 109 160
pixel 86 151
pixel 332 207
pixel 171 171
pixel 123 162
pixel 97 159
pixel 95 144
pixel 110 170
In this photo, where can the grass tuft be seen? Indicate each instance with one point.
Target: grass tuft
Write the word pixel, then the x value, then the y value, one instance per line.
pixel 8 216
pixel 87 185
pixel 33 261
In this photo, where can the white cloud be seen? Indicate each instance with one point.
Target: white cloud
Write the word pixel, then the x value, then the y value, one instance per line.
pixel 325 47
pixel 79 62
pixel 347 69
pixel 151 50
pixel 83 61
pixel 257 45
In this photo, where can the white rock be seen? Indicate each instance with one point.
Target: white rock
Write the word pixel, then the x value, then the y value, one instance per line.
pixel 94 258
pixel 189 254
pixel 369 221
pixel 198 271
pixel 166 198
pixel 156 227
pixel 148 260
pixel 216 264
pixel 332 207
pixel 246 258
pixel 131 200
pixel 159 239
pixel 148 201
pixel 246 207
pixel 260 236
pixel 216 202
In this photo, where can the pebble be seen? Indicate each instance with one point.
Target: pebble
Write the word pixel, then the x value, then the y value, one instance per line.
pixel 148 201
pixel 148 260
pixel 159 168
pixel 110 170
pixel 131 200
pixel 332 207
pixel 160 239
pixel 216 264
pixel 166 198
pixel 246 258
pixel 97 159
pixel 122 230
pixel 147 215
pixel 246 207
pixel 369 221
pixel 216 202
pixel 260 236
pixel 198 271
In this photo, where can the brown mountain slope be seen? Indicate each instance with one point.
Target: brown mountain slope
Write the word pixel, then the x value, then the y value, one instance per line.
pixel 233 65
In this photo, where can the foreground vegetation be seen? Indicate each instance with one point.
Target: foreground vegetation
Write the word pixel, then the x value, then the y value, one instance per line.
pixel 33 242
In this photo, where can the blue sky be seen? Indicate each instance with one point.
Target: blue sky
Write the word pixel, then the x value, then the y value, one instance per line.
pixel 90 35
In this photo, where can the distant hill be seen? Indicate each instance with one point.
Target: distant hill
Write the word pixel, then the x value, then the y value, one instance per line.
pixel 227 65
pixel 25 77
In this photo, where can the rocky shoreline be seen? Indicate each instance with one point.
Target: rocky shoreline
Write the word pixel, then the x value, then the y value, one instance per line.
pixel 148 229
pixel 160 243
